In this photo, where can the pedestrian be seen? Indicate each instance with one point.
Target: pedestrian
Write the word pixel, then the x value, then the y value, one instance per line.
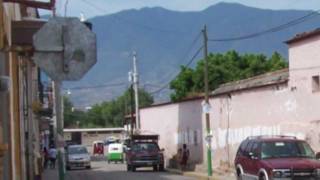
pixel 178 158
pixel 52 156
pixel 185 157
pixel 45 157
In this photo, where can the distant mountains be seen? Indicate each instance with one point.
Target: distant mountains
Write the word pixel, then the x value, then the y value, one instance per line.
pixel 161 38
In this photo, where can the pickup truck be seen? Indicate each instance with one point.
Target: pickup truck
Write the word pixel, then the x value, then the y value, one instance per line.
pixel 144 151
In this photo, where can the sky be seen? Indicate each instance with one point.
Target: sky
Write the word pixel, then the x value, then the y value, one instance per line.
pixel 91 8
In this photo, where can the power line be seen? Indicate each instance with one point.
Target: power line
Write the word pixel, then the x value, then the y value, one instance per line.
pixel 185 55
pixel 187 65
pixel 97 86
pixel 271 30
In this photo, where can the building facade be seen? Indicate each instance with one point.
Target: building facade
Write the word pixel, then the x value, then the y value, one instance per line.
pixel 278 103
pixel 20 100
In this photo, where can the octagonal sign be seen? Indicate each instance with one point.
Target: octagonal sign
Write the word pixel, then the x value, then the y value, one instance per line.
pixel 65 49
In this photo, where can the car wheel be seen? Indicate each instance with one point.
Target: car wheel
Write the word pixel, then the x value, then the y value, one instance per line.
pixel 128 167
pixel 239 175
pixel 68 168
pixel 88 167
pixel 161 167
pixel 262 177
pixel 155 168
pixel 133 168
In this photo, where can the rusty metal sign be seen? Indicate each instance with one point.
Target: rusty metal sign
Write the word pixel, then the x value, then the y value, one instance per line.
pixel 65 49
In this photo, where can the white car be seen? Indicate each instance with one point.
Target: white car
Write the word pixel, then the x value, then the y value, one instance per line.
pixel 77 156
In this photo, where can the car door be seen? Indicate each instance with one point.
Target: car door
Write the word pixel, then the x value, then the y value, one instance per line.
pixel 246 159
pixel 253 159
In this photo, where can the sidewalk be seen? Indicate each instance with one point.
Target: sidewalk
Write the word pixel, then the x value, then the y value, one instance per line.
pixel 50 174
pixel 203 176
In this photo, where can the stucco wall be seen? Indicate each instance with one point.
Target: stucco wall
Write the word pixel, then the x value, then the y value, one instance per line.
pixel 282 109
pixel 162 120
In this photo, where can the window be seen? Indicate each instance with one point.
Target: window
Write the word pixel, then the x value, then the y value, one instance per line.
pixel 195 137
pixel 248 148
pixel 315 83
pixel 281 149
pixel 242 147
pixel 255 149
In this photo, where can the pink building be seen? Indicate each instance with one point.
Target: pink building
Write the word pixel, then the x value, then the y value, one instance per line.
pixel 278 103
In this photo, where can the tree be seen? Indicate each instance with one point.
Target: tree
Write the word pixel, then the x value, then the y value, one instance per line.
pixel 112 113
pixel 223 68
pixel 71 116
pixel 183 83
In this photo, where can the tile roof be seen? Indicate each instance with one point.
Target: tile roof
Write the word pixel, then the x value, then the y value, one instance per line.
pixel 267 79
pixel 303 36
pixel 272 78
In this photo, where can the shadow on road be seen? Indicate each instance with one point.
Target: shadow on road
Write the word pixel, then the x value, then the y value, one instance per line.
pixel 143 174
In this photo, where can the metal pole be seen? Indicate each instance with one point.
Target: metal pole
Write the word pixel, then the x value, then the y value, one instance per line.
pixel 132 109
pixel 136 89
pixel 206 85
pixel 59 129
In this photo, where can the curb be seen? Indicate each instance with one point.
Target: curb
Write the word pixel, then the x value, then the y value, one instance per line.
pixel 197 175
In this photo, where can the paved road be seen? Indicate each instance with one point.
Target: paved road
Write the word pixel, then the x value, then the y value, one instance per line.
pixel 103 171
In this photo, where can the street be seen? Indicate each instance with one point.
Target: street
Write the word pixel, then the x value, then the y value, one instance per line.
pixel 102 170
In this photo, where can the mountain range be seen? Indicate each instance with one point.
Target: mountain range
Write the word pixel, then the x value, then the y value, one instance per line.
pixel 162 39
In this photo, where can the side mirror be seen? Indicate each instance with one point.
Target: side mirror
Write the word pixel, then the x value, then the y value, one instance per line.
pixel 318 155
pixel 252 155
pixel 162 150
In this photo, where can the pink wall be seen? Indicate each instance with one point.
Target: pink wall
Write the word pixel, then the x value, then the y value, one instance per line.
pixel 176 124
pixel 285 109
pixel 162 120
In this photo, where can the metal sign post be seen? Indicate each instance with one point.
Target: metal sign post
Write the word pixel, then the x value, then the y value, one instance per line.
pixel 65 49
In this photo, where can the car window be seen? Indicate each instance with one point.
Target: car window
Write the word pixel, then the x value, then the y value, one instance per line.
pixel 248 148
pixel 280 149
pixel 255 149
pixel 305 149
pixel 77 150
pixel 242 147
pixel 145 147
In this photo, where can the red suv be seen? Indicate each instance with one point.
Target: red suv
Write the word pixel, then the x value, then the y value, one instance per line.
pixel 276 157
pixel 144 152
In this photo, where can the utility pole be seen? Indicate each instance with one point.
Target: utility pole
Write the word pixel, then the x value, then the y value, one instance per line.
pixel 207 105
pixel 131 102
pixel 136 89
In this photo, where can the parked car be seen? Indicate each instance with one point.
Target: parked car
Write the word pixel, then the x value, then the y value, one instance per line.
pixel 276 157
pixel 144 152
pixel 77 156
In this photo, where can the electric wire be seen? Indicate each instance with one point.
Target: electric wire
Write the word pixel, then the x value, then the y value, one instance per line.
pixel 187 65
pixel 185 55
pixel 97 86
pixel 270 30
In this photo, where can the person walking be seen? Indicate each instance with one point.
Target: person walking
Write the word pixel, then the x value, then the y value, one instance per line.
pixel 52 156
pixel 185 157
pixel 45 157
